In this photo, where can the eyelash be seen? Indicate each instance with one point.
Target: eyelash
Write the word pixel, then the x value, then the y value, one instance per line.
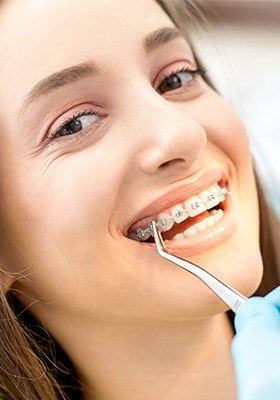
pixel 196 71
pixel 54 135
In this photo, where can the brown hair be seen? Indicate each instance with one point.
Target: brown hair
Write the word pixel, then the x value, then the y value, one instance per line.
pixel 22 374
pixel 25 373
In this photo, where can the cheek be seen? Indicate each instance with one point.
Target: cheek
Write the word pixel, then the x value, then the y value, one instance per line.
pixel 223 126
pixel 79 190
pixel 238 261
pixel 63 200
pixel 59 221
pixel 230 135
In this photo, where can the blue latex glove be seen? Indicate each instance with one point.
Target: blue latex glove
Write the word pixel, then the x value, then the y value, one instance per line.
pixel 256 348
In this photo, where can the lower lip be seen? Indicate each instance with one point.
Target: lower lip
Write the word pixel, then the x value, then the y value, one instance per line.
pixel 204 240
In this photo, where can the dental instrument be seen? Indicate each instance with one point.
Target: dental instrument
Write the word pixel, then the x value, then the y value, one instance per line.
pixel 229 295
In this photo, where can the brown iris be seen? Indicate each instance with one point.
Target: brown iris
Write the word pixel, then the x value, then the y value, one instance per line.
pixel 71 128
pixel 171 82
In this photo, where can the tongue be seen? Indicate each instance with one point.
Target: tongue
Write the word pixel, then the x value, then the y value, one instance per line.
pixel 180 228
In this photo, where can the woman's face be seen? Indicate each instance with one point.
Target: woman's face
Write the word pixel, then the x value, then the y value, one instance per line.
pixel 102 125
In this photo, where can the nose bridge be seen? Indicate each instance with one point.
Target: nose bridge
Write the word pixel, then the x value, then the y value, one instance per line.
pixel 165 133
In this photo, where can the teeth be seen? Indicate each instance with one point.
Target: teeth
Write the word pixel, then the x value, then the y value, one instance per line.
pixel 143 234
pixel 179 213
pixel 190 231
pixel 134 236
pixel 213 212
pixel 194 206
pixel 200 226
pixel 218 192
pixel 212 200
pixel 190 208
pixel 165 222
pixel 219 215
pixel 210 221
pixel 207 197
pixel 179 236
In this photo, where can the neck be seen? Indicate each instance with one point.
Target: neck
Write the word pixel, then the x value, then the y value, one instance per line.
pixel 189 360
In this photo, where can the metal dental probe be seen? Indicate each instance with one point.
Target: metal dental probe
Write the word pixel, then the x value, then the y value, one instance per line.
pixel 229 295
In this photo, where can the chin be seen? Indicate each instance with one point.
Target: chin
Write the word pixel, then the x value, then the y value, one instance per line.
pixel 242 270
pixel 240 267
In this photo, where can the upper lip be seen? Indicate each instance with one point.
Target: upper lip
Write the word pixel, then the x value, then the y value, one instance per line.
pixel 196 184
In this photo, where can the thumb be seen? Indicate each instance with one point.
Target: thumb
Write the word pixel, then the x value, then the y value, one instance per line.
pixel 257 312
pixel 274 297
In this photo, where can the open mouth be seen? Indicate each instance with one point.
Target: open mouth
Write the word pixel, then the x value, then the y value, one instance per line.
pixel 186 219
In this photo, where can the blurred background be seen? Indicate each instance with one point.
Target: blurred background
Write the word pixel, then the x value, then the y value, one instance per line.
pixel 241 50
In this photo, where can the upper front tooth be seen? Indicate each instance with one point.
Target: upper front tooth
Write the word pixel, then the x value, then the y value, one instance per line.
pixel 194 206
pixel 165 222
pixel 218 192
pixel 179 214
pixel 210 197
pixel 207 198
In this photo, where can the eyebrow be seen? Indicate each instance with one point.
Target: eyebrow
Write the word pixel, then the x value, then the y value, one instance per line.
pixel 77 72
pixel 160 37
pixel 59 79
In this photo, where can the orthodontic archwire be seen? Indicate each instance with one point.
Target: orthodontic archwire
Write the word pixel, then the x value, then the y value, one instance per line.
pixel 145 233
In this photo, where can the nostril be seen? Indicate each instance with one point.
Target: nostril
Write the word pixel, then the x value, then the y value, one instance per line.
pixel 171 162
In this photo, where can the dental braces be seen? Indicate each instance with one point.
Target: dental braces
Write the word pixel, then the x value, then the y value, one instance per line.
pixel 145 233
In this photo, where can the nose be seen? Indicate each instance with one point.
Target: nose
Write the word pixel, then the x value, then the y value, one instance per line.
pixel 170 139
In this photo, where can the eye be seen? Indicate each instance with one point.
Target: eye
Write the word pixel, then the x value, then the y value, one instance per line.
pixel 76 124
pixel 178 79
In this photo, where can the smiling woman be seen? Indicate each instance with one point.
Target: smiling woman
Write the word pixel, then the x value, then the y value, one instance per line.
pixel 109 120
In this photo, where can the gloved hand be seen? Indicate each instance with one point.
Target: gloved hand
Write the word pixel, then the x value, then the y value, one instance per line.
pixel 256 348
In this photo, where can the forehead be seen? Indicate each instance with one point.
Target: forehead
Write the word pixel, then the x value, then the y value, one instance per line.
pixel 39 37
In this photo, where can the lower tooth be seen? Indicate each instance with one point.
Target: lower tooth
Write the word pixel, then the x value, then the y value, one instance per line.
pixel 213 212
pixel 179 236
pixel 200 226
pixel 190 231
pixel 210 221
pixel 219 215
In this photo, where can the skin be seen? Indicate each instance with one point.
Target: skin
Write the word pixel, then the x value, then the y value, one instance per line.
pixel 134 326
